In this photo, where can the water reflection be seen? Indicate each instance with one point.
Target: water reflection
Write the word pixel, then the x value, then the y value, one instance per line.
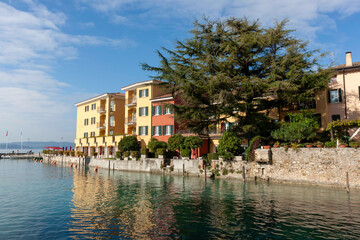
pixel 150 206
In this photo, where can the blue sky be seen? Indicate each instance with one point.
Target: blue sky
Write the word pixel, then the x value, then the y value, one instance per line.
pixel 54 53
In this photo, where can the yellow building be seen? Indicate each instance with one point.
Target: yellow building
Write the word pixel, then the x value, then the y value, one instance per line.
pixel 100 124
pixel 138 108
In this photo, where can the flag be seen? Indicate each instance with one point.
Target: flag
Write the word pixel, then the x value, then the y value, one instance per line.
pixel 7 132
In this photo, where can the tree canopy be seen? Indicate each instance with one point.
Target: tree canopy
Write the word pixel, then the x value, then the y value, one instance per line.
pixel 237 68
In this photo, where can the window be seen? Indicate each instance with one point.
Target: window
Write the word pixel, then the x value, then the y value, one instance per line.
pixel 157 130
pixel 86 108
pixel 112 121
pixel 143 130
pixel 143 93
pixel 112 105
pixel 86 135
pixel 157 110
pixel 111 132
pixel 93 120
pixel 168 110
pixel 168 130
pixel 334 96
pixel 86 122
pixel 93 106
pixel 143 111
pixel 335 117
pixel 92 134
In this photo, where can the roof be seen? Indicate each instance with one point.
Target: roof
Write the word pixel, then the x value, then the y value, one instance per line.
pixel 162 97
pixel 138 84
pixel 343 66
pixel 102 96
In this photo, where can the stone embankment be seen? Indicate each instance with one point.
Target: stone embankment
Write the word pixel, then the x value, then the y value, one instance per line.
pixel 322 166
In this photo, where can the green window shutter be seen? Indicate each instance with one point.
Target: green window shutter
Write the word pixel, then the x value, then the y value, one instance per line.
pixel 171 129
pixel 139 112
pixel 340 97
pixel 140 93
pixel 164 130
pixel 329 100
pixel 146 111
pixel 164 110
pixel 139 133
pixel 159 110
pixel 146 92
pixel 159 127
pixel 359 92
pixel 152 111
pixel 152 131
pixel 146 130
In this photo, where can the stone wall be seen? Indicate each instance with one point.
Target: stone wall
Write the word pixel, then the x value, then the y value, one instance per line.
pixel 308 165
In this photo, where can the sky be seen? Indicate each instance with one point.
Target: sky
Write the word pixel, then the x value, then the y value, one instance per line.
pixel 55 53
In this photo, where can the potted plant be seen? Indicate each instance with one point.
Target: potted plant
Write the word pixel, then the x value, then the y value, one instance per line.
pixel 320 144
pixel 309 145
pixel 343 145
pixel 285 145
pixel 267 147
pixel 276 144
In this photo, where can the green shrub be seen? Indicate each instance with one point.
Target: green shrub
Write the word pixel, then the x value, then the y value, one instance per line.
pixel 185 152
pixel 225 171
pixel 155 144
pixel 79 154
pixel 134 154
pixel 250 150
pixel 176 142
pixel 95 154
pixel 193 142
pixel 213 156
pixel 66 153
pixel 72 153
pixel 231 170
pixel 230 145
pixel 60 152
pixel 160 151
pixel 171 168
pixel 129 143
pixel 118 154
pixel 170 154
pixel 354 144
pixel 144 151
pixel 331 144
pixel 126 153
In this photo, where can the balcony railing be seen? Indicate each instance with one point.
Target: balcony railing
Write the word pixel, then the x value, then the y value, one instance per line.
pixel 101 110
pixel 130 120
pixel 100 125
pixel 131 101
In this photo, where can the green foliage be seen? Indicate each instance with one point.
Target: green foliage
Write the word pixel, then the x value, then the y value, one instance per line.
pixel 230 145
pixel 155 144
pixel 118 154
pixel 160 151
pixel 213 156
pixel 79 154
pixel 175 142
pixel 134 154
pixel 302 126
pixel 193 142
pixel 225 171
pixel 144 151
pixel 60 152
pixel 340 128
pixel 126 153
pixel 185 152
pixel 129 143
pixel 72 153
pixel 250 150
pixel 95 154
pixel 354 144
pixel 226 67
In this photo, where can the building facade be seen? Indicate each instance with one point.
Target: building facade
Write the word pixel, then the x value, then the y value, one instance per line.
pixel 100 122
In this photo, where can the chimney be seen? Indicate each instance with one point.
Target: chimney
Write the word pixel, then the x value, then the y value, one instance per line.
pixel 348 59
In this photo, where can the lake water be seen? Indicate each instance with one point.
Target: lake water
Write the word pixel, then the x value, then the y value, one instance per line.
pixel 42 201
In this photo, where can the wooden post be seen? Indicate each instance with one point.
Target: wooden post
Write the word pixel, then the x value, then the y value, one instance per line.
pixel 205 170
pixel 183 169
pixel 347 183
pixel 244 175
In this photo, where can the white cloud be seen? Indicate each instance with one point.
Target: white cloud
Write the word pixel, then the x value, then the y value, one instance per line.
pixel 31 99
pixel 307 16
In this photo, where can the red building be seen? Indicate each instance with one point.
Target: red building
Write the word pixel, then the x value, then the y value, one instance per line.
pixel 163 123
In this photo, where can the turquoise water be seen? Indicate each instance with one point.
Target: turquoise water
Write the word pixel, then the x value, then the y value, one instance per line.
pixel 41 201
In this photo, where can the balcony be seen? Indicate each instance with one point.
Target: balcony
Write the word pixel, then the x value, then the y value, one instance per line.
pixel 100 125
pixel 130 101
pixel 130 120
pixel 101 110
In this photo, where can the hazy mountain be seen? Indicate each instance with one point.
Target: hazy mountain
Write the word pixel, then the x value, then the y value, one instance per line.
pixel 36 145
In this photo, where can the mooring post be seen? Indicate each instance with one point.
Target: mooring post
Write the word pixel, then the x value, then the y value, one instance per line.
pixel 244 175
pixel 183 169
pixel 205 170
pixel 347 182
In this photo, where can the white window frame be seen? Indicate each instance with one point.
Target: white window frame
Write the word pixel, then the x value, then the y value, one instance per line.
pixel 168 130
pixel 337 94
pixel 112 105
pixel 157 130
pixel 168 110
pixel 143 131
pixel 112 121
pixel 157 111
